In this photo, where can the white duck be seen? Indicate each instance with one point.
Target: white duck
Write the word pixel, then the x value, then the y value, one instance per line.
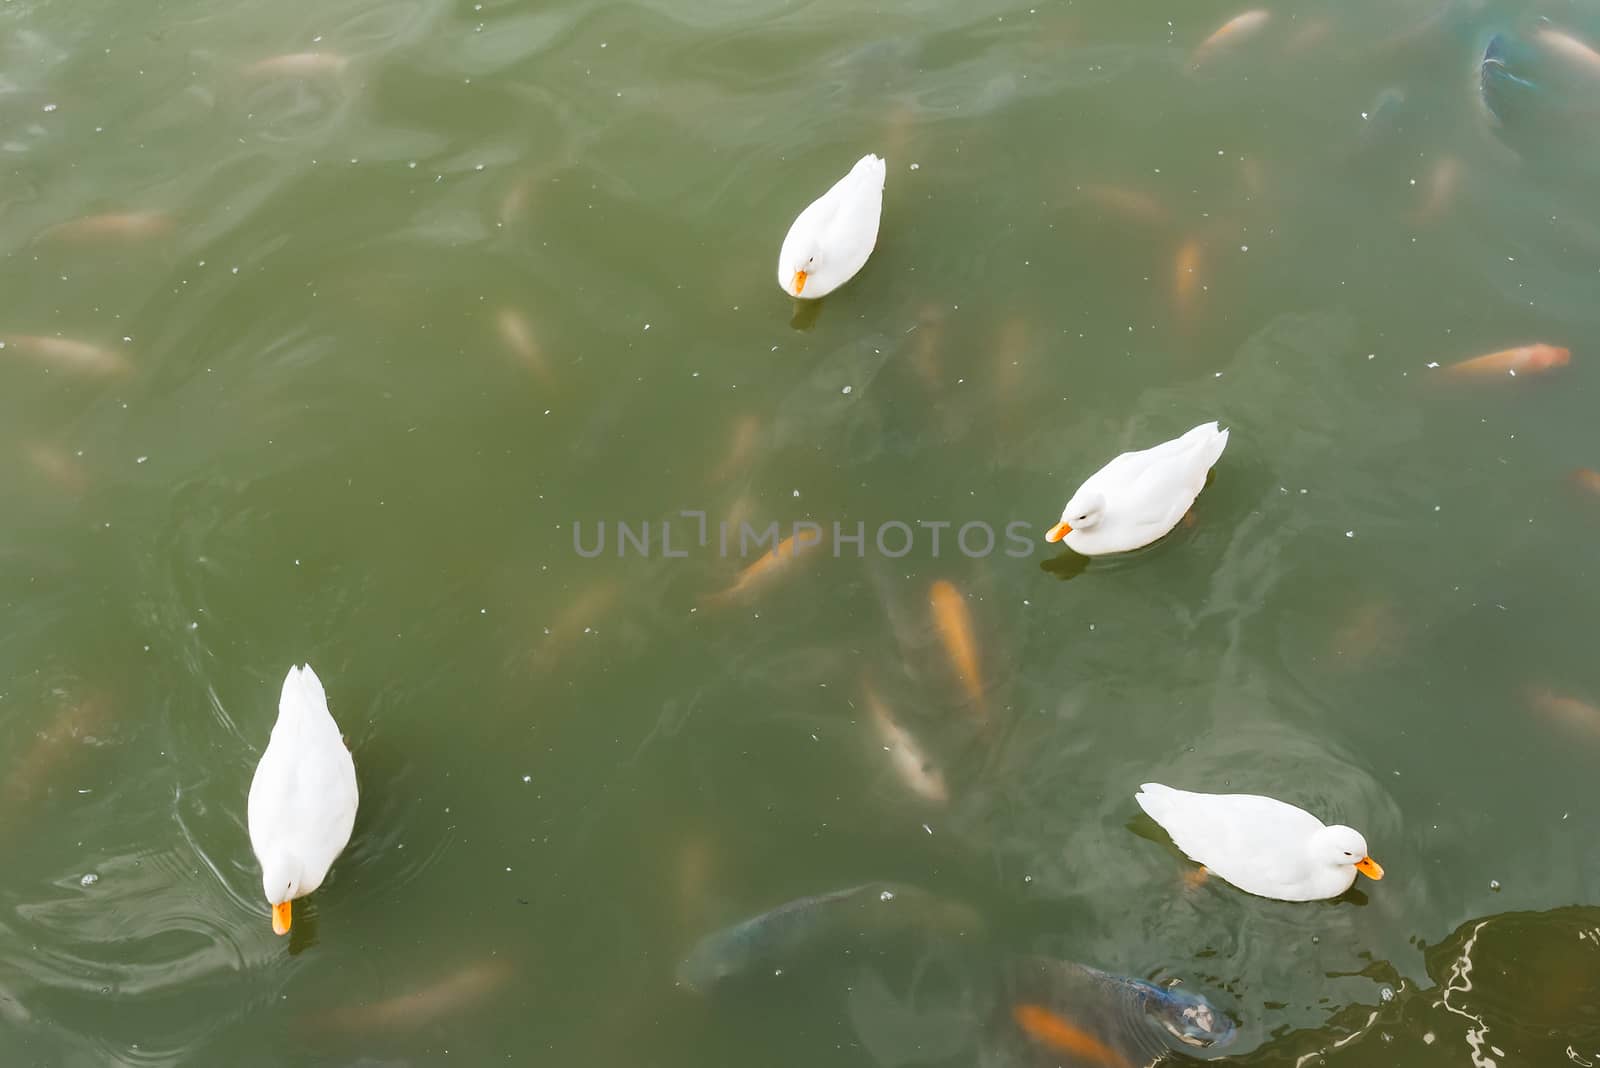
pixel 831 240
pixel 1140 496
pixel 1263 846
pixel 303 797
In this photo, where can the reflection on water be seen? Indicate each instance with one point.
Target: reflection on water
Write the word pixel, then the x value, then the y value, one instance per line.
pixel 949 996
pixel 1513 988
pixel 935 1006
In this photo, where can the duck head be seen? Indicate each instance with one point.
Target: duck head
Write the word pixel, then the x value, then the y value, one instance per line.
pixel 802 266
pixel 1343 847
pixel 280 881
pixel 1083 512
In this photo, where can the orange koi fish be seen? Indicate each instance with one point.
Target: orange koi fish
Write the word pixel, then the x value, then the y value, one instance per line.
pixel 76 724
pixel 1056 1033
pixel 420 1008
pixel 584 611
pixel 738 512
pixel 515 203
pixel 1572 712
pixel 1525 359
pixel 1442 182
pixel 64 352
pixel 1570 47
pixel 1185 277
pixel 1371 627
pixel 763 569
pixel 1312 33
pixel 745 434
pixel 1238 27
pixel 955 628
pixel 1130 204
pixel 897 134
pixel 920 774
pixel 1010 347
pixel 517 334
pixel 65 471
pixel 300 63
pixel 925 352
pixel 1586 478
pixel 124 226
pixel 694 868
pixel 1253 176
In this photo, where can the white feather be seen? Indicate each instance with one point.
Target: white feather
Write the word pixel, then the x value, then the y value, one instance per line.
pixel 303 798
pixel 1145 493
pixel 1261 845
pixel 831 239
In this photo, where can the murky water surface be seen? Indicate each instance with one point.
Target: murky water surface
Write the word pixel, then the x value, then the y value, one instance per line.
pixel 327 323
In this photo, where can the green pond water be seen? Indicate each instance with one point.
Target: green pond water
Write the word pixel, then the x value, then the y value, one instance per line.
pixel 387 325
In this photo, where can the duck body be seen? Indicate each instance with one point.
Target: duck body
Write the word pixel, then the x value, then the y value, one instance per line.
pixel 1139 497
pixel 831 239
pixel 303 798
pixel 1261 845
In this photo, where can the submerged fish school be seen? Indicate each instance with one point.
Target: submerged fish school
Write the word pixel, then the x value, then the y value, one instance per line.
pixel 303 799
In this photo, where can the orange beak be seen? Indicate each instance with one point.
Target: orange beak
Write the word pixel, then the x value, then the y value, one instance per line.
pixel 280 919
pixel 799 282
pixel 1057 532
pixel 1370 868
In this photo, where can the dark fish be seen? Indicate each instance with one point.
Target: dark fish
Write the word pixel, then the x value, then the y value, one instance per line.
pixel 1496 82
pixel 800 930
pixel 1538 98
pixel 1070 1015
pixel 1494 53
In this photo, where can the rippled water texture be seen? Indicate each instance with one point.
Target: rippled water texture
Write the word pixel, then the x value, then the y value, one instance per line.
pixel 325 325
